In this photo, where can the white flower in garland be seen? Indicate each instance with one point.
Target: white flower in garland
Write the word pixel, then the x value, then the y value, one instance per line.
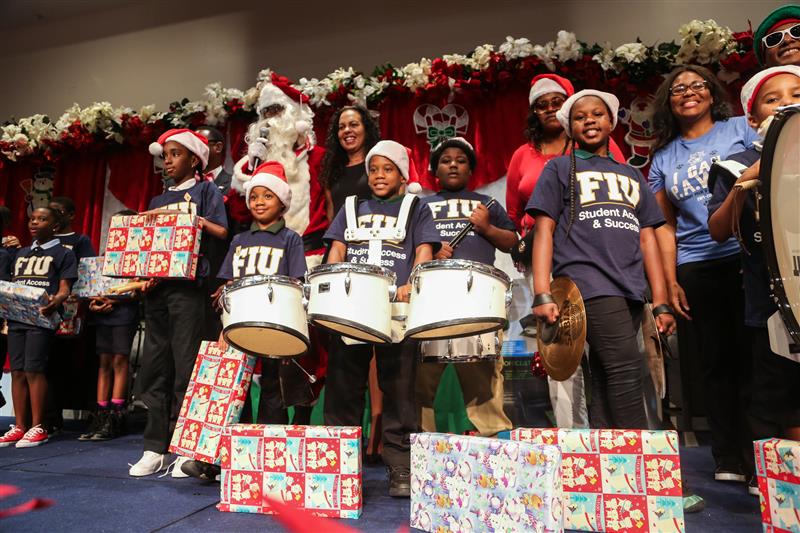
pixel 250 99
pixel 481 57
pixel 567 46
pixel 605 57
pixel 631 52
pixel 37 129
pixel 704 42
pixel 516 48
pixel 416 75
pixel 316 90
pixel 546 53
pixel 455 59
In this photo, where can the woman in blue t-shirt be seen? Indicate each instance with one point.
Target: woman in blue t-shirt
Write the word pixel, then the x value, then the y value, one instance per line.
pixel 694 130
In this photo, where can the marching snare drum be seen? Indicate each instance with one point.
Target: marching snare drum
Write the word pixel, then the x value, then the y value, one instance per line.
pixel 352 300
pixel 485 347
pixel 264 315
pixel 780 222
pixel 456 298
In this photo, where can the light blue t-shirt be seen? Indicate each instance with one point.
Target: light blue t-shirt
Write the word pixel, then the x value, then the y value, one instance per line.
pixel 681 169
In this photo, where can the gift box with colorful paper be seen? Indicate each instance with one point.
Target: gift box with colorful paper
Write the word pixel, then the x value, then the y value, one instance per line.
pixel 152 246
pixel 91 281
pixel 316 468
pixel 778 471
pixel 21 303
pixel 617 480
pixel 461 483
pixel 215 397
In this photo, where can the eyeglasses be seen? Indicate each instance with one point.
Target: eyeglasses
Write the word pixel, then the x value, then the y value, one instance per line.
pixel 681 88
pixel 775 38
pixel 542 106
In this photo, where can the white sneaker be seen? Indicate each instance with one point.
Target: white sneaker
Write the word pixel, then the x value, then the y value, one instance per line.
pixel 177 472
pixel 150 463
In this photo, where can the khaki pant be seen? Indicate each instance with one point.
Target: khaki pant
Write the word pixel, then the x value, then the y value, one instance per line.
pixel 482 385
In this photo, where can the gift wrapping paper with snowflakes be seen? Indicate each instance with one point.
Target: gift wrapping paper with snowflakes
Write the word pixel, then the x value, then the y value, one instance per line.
pixel 91 281
pixel 778 471
pixel 316 468
pixel 461 484
pixel 617 480
pixel 21 303
pixel 215 398
pixel 152 246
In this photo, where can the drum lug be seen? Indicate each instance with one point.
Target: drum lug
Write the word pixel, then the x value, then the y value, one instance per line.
pixel 497 344
pixel 480 346
pixel 269 292
pixel 226 303
pixel 306 291
pixel 416 284
pixel 347 284
pixel 450 347
pixel 392 292
pixel 469 279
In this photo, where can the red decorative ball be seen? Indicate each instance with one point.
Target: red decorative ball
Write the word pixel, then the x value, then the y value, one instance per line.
pixel 537 368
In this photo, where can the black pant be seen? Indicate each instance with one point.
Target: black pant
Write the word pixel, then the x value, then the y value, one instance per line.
pixel 716 301
pixel 615 362
pixel 283 384
pixel 174 316
pixel 776 402
pixel 346 386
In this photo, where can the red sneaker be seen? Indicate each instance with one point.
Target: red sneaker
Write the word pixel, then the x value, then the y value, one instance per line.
pixel 11 436
pixel 33 437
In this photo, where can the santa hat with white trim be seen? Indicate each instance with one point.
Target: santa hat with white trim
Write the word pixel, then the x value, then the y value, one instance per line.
pixel 191 140
pixel 400 156
pixel 271 175
pixel 279 90
pixel 549 83
pixel 563 114
pixel 754 84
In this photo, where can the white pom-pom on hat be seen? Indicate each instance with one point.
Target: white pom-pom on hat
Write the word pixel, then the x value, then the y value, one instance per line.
pixel 191 140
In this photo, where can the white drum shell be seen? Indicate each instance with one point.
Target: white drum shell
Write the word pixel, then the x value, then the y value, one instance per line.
pixel 484 347
pixel 452 300
pixel 362 312
pixel 257 324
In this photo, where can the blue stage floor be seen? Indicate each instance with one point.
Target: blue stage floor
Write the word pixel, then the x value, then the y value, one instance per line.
pixel 93 492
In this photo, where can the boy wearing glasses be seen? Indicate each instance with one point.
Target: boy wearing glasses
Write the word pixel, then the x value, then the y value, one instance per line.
pixel 777 40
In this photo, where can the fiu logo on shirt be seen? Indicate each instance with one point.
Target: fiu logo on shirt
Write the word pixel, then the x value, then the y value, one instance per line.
pixel 453 208
pixel 607 187
pixel 376 221
pixel 33 266
pixel 190 208
pixel 252 260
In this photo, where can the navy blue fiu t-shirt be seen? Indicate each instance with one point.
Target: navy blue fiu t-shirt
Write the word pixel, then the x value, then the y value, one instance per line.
pixel 80 245
pixel 276 250
pixel 451 211
pixel 602 253
pixel 396 256
pixel 758 304
pixel 44 266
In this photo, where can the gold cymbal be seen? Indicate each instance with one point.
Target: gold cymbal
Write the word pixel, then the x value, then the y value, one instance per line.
pixel 561 344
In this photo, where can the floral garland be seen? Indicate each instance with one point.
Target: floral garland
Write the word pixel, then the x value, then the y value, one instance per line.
pixel 627 70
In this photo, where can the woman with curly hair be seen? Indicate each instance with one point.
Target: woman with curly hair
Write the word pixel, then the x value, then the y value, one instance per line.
pixel 351 134
pixel 694 128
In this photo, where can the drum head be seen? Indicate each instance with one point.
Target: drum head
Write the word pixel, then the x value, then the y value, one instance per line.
pixel 347 328
pixel 268 340
pixel 780 219
pixel 457 328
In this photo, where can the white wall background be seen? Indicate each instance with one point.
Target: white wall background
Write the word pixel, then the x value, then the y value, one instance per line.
pixel 137 52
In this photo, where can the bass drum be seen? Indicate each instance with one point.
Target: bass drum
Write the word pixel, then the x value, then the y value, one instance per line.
pixel 780 221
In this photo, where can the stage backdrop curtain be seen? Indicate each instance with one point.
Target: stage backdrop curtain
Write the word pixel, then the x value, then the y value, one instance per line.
pixel 132 178
pixel 83 178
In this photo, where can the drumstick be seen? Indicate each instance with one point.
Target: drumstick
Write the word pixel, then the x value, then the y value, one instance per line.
pixel 463 233
pixel 128 287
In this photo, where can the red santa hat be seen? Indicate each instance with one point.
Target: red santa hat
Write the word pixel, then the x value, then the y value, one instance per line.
pixel 549 83
pixel 191 140
pixel 271 175
pixel 754 84
pixel 610 100
pixel 279 90
pixel 400 156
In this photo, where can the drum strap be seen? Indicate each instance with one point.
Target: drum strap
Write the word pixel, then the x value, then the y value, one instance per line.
pixel 734 167
pixel 376 236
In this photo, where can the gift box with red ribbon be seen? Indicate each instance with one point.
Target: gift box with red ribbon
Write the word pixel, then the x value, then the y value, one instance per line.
pixel 152 246
pixel 315 468
pixel 617 480
pixel 778 471
pixel 215 397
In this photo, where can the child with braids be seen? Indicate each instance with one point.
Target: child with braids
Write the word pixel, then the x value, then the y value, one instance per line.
pixel 595 223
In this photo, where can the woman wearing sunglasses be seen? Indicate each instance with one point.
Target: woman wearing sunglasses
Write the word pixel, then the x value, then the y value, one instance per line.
pixel 777 39
pixel 693 130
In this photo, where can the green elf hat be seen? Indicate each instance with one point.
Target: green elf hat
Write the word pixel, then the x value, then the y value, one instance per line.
pixel 778 17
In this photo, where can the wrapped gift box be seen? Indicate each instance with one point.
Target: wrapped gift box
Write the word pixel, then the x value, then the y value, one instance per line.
pixel 91 281
pixel 316 468
pixel 461 483
pixel 617 480
pixel 215 397
pixel 152 246
pixel 778 471
pixel 21 303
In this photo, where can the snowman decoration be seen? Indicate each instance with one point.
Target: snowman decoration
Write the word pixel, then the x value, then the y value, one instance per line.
pixel 39 190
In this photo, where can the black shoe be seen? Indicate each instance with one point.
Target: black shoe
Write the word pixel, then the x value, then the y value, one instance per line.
pixel 2 400
pixel 108 429
pixel 727 472
pixel 96 421
pixel 692 503
pixel 201 470
pixel 752 487
pixel 399 481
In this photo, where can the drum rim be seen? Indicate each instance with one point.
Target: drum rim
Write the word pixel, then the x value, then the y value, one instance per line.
pixel 272 325
pixel 776 281
pixel 446 264
pixel 260 279
pixel 500 323
pixel 428 359
pixel 346 266
pixel 313 317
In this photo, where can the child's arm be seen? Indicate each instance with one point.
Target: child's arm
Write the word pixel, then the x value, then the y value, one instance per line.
pixel 213 229
pixel 501 239
pixel 719 224
pixel 338 252
pixel 655 275
pixel 422 253
pixel 542 264
pixel 667 245
pixel 64 287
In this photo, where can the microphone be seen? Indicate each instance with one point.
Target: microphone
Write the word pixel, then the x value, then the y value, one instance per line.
pixel 263 133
